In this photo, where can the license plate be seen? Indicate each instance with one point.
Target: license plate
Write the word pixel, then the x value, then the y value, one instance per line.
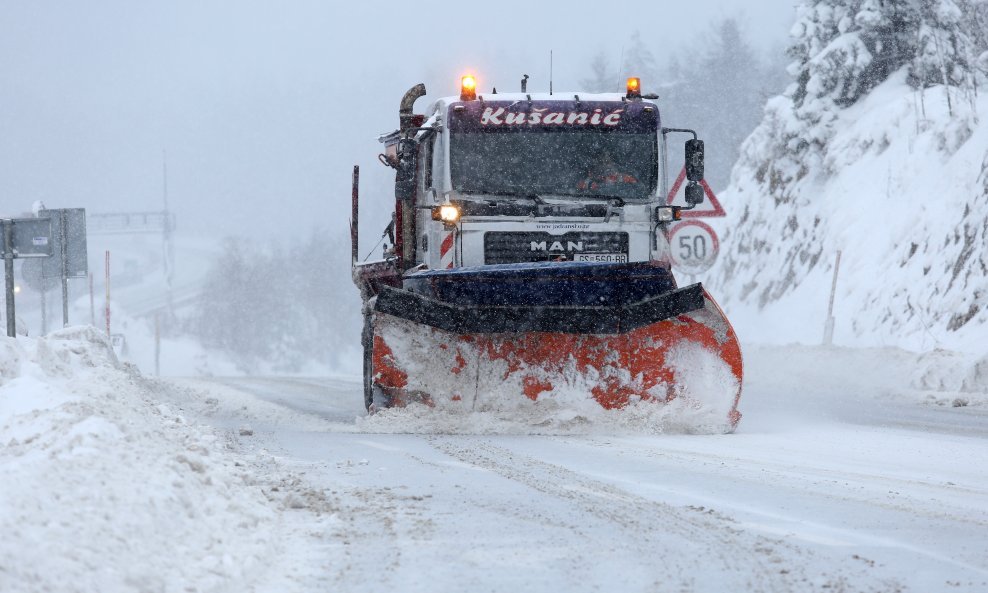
pixel 612 258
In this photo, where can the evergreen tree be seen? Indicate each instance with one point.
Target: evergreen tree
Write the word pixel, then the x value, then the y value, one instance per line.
pixel 944 51
pixel 720 93
pixel 637 60
pixel 842 49
pixel 282 306
pixel 602 79
pixel 832 61
pixel 977 10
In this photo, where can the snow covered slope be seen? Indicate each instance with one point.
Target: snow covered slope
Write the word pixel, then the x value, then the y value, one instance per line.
pixel 877 150
pixel 900 187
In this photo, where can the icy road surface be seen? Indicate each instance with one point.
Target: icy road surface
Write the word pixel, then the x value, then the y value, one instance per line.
pixel 835 481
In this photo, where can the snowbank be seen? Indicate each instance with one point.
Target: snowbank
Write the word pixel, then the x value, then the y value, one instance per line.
pixel 936 378
pixel 106 488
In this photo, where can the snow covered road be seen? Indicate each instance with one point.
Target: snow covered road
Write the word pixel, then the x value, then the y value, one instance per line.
pixel 840 478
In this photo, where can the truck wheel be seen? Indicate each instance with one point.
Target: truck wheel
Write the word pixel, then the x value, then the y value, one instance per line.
pixel 367 341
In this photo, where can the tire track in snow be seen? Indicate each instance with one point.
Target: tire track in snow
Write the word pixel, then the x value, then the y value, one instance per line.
pixel 911 494
pixel 699 543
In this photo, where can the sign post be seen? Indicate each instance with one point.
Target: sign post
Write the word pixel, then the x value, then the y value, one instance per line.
pixel 69 257
pixel 8 267
pixel 22 237
pixel 63 254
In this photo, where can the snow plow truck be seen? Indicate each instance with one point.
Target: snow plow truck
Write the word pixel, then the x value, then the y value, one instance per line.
pixel 527 262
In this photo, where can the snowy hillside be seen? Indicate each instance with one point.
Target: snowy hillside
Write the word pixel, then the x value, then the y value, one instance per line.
pixel 865 156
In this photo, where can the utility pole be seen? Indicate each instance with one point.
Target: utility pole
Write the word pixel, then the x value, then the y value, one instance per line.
pixel 168 247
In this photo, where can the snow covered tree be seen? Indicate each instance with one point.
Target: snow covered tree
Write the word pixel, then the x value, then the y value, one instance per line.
pixel 944 50
pixel 719 92
pixel 638 60
pixel 281 306
pixel 977 11
pixel 833 65
pixel 602 79
pixel 943 46
pixel 231 309
pixel 842 49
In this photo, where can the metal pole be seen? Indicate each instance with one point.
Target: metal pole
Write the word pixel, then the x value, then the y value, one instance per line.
pixel 107 308
pixel 63 248
pixel 8 268
pixel 157 344
pixel 828 328
pixel 354 197
pixel 168 246
pixel 92 302
pixel 44 304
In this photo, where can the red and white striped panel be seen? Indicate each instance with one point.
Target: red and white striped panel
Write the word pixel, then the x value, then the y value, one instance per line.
pixel 446 250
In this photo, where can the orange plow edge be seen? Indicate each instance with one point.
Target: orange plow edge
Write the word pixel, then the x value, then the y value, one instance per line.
pixel 689 361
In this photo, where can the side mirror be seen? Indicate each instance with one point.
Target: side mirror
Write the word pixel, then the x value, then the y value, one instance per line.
pixel 694 194
pixel 694 161
pixel 405 171
pixel 405 180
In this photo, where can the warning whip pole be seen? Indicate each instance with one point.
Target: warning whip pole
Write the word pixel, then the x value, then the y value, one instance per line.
pixel 828 328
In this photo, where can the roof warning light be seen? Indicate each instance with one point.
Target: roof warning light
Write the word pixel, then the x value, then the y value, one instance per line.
pixel 634 87
pixel 468 88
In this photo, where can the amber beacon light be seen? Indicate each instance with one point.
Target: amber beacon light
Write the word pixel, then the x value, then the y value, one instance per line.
pixel 634 87
pixel 468 88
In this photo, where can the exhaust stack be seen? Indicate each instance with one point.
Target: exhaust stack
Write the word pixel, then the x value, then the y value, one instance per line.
pixel 405 115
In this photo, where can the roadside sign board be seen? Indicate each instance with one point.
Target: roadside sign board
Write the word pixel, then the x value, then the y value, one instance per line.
pixel 710 208
pixel 29 237
pixel 77 264
pixel 694 246
pixel 32 273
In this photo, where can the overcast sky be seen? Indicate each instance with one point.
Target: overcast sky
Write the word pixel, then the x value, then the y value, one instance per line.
pixel 264 107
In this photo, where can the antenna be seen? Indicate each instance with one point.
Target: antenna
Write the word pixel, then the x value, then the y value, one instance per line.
pixel 550 71
pixel 620 66
pixel 524 83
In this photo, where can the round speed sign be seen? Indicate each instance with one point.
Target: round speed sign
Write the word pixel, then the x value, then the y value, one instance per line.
pixel 694 246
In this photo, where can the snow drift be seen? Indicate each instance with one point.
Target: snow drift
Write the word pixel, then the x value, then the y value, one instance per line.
pixel 106 488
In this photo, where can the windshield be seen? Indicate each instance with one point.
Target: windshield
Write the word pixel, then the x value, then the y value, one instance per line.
pixel 590 164
pixel 592 150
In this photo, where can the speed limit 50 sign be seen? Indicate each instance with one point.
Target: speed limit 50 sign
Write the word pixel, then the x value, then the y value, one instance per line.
pixel 694 246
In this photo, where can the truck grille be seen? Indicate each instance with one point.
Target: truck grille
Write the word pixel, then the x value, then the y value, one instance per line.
pixel 513 248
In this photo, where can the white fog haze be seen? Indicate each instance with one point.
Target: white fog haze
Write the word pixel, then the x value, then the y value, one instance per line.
pixel 558 376
pixel 263 109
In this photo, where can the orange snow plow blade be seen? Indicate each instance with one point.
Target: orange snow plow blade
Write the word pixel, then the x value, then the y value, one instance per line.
pixel 676 350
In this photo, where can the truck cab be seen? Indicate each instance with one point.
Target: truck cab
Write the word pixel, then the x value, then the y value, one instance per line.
pixel 530 177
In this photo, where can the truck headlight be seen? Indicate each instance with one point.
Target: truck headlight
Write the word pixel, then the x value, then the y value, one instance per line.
pixel 448 213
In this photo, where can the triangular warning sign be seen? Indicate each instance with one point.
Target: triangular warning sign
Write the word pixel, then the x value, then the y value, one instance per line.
pixel 710 207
